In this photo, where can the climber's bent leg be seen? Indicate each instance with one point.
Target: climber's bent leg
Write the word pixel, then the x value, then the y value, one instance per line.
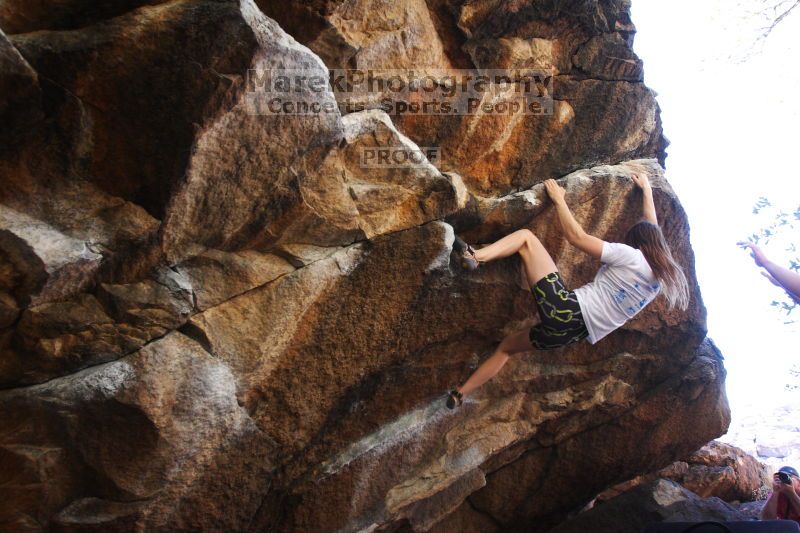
pixel 514 343
pixel 535 258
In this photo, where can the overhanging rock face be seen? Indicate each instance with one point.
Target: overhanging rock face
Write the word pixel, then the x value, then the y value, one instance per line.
pixel 215 320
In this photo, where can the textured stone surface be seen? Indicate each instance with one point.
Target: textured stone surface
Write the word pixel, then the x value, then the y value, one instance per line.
pixel 726 472
pixel 337 198
pixel 530 492
pixel 218 276
pixel 609 57
pixel 717 469
pixel 498 154
pixel 49 263
pixel 56 338
pixel 214 319
pixel 752 510
pixel 131 439
pixel 20 95
pixel 365 33
pixel 21 16
pixel 59 237
pixel 248 189
pixel 164 94
pixel 660 500
pixel 598 116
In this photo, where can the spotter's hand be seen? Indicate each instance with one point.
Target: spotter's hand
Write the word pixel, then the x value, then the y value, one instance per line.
pixel 755 252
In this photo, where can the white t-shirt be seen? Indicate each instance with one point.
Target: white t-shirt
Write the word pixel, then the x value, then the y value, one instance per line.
pixel 621 288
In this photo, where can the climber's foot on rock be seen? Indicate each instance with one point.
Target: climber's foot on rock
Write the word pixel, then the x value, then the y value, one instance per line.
pixel 454 399
pixel 466 254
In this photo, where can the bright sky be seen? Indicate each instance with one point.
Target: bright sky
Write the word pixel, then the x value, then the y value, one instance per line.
pixel 733 128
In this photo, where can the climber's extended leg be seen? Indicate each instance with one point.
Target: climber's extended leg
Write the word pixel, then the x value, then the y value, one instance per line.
pixel 514 343
pixel 537 264
pixel 535 258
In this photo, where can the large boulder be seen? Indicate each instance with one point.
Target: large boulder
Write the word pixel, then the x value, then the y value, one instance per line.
pixel 724 471
pixel 214 316
pixel 717 469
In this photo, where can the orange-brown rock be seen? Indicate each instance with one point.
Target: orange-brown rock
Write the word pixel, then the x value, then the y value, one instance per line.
pixel 724 471
pixel 585 46
pixel 717 469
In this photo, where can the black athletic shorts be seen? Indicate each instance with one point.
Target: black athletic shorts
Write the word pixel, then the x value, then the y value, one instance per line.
pixel 562 321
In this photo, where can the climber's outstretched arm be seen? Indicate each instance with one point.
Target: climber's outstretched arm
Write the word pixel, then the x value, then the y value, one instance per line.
pixel 648 207
pixel 572 230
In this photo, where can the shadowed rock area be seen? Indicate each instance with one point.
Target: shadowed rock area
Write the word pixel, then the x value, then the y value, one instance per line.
pixel 660 500
pixel 214 319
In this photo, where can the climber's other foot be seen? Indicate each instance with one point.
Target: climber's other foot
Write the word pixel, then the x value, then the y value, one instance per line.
pixel 467 254
pixel 454 399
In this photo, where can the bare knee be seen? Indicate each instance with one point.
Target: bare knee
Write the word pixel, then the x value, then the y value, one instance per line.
pixel 531 246
pixel 531 240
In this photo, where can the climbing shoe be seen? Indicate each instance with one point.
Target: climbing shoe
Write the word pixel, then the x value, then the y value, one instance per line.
pixel 467 254
pixel 454 399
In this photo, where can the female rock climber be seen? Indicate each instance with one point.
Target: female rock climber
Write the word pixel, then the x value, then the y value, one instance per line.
pixel 632 275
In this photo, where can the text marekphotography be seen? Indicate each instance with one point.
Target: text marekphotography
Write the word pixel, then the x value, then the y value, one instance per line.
pixel 400 92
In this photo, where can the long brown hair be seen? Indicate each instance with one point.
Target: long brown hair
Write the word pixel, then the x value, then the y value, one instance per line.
pixel 648 238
